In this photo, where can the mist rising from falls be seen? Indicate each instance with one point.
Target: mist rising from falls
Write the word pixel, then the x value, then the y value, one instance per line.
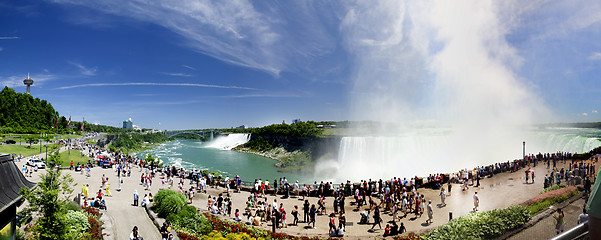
pixel 420 152
pixel 445 64
pixel 229 142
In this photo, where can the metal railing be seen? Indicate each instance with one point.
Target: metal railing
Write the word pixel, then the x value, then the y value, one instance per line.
pixel 578 232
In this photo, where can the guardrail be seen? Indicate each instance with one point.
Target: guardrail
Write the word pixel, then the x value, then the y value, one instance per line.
pixel 578 232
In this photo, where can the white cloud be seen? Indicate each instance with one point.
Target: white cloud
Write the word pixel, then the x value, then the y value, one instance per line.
pixel 152 84
pixel 595 56
pixel 178 74
pixel 8 38
pixel 584 114
pixel 252 34
pixel 594 111
pixel 188 67
pixel 1 49
pixel 17 81
pixel 87 71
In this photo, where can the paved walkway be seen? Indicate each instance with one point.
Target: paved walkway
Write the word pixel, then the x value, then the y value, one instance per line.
pixel 122 214
pixel 545 229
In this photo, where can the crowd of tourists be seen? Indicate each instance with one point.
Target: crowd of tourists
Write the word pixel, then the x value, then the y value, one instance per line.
pixel 372 198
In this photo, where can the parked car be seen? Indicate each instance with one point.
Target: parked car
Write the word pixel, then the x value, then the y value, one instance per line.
pixel 36 162
pixel 9 141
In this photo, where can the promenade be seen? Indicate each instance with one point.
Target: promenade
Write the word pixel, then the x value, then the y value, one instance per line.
pixel 503 190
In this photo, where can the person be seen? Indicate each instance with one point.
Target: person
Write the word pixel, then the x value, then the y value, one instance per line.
pixel 394 229
pixel 430 212
pixel 295 215
pixel 443 196
pixel 387 230
pixel 377 218
pixel 145 201
pixel 306 211
pixel 559 222
pixel 136 197
pixel 402 228
pixel 332 223
pixel 476 201
pixel 108 189
pixel 164 231
pixel 312 214
pixel 237 215
pixel 583 217
pixel 134 235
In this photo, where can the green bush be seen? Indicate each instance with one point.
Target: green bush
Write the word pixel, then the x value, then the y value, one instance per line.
pixel 482 225
pixel 169 202
pixel 191 220
pixel 72 206
pixel 78 221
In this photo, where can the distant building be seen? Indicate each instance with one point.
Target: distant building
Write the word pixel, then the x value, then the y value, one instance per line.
pixel 283 122
pixel 128 124
pixel 137 128
pixel 242 127
pixel 295 121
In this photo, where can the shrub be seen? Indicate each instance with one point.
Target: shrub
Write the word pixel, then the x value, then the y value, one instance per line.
pixel 168 201
pixel 72 206
pixel 482 225
pixel 77 220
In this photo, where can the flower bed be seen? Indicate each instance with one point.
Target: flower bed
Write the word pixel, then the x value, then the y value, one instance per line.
pixel 191 225
pixel 482 225
pixel 95 230
pixel 551 188
pixel 543 201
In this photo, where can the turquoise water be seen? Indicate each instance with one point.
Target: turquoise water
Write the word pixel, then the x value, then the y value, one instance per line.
pixel 191 154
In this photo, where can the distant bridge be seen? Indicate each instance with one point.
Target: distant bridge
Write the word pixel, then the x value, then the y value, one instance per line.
pixel 174 133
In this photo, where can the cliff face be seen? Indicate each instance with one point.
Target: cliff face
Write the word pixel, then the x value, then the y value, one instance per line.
pixel 318 146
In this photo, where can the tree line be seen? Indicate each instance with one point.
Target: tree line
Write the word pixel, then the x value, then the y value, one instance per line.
pixel 22 113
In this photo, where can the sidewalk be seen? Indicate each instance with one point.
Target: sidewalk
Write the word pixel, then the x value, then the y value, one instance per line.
pixel 123 216
pixel 545 228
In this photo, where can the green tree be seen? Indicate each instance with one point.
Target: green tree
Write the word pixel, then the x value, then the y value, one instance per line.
pixel 48 199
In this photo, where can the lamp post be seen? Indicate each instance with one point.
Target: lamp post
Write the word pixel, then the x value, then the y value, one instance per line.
pixel 46 145
pixel 524 151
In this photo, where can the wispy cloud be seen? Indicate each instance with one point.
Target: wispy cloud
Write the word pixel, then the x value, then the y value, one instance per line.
pixel 17 80
pixel 87 71
pixel 188 67
pixel 262 96
pixel 177 74
pixel 8 38
pixel 595 56
pixel 1 49
pixel 152 84
pixel 594 111
pixel 246 33
pixel 584 114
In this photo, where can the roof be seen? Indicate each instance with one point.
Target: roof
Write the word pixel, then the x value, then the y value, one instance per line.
pixel 11 182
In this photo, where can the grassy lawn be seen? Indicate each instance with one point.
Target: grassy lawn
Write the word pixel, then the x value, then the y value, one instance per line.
pixel 22 149
pixel 75 156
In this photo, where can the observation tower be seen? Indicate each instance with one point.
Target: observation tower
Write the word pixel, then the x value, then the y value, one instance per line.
pixel 28 81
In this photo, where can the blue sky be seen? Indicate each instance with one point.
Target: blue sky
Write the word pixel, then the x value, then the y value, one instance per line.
pixel 205 64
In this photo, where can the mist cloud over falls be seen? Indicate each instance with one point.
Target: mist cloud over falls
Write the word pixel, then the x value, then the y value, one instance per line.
pixel 444 63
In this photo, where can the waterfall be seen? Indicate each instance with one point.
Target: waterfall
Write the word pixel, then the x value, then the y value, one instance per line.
pixel 423 152
pixel 230 141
